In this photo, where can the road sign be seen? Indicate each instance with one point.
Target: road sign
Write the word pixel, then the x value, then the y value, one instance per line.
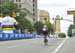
pixel 71 12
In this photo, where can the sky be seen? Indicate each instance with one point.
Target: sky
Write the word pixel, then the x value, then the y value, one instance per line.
pixel 58 7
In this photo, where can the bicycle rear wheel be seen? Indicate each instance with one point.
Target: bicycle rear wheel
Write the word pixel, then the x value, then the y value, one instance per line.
pixel 45 43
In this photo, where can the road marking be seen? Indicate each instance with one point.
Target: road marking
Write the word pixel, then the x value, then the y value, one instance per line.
pixel 61 44
pixel 12 46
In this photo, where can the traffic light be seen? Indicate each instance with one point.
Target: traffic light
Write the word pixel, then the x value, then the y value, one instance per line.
pixel 14 14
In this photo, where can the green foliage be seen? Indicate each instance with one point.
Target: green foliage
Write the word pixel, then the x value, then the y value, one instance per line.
pixel 62 35
pixel 9 8
pixel 70 30
pixel 38 27
pixel 23 23
pixel 50 27
pixel 0 2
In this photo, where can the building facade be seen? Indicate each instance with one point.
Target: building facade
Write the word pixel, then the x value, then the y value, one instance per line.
pixel 35 10
pixel 43 15
pixel 5 1
pixel 30 7
pixel 57 25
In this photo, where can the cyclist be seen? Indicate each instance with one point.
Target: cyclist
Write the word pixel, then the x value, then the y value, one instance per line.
pixel 45 33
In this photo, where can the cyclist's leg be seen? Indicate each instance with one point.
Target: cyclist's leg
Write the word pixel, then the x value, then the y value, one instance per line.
pixel 45 40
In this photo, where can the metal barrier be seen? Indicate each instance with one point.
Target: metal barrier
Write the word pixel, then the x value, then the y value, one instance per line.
pixel 18 36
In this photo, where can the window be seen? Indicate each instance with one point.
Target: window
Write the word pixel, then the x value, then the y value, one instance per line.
pixel 33 5
pixel 18 0
pixel 33 9
pixel 33 14
pixel 7 1
pixel 20 6
pixel 45 18
pixel 33 0
pixel 33 19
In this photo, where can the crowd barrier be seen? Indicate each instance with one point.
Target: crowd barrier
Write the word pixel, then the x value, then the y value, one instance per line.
pixel 18 36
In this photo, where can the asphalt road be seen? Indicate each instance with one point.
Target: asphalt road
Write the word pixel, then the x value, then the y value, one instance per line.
pixel 68 46
pixel 32 46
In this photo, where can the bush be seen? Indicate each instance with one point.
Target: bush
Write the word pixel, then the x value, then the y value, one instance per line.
pixel 62 35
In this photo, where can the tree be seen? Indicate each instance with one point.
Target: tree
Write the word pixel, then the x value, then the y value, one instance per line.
pixel 62 35
pixel 50 27
pixel 23 23
pixel 0 2
pixel 9 8
pixel 38 27
pixel 70 30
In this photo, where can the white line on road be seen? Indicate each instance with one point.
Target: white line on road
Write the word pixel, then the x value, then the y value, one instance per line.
pixel 12 46
pixel 61 44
